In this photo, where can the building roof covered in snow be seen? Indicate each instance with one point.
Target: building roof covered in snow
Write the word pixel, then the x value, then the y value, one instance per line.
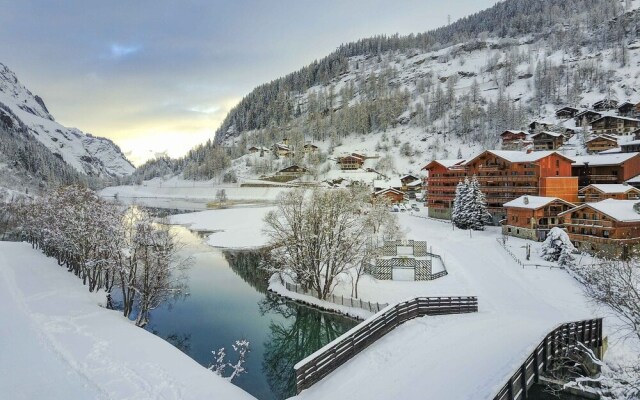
pixel 547 133
pixel 609 188
pixel 514 156
pixel 620 210
pixel 446 163
pixel 533 202
pixel 602 159
pixel 389 183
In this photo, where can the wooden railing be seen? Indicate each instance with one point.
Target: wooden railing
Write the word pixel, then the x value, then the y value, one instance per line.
pixel 339 300
pixel 330 357
pixel 588 332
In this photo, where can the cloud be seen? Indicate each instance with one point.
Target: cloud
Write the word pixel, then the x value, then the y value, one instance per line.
pixel 118 51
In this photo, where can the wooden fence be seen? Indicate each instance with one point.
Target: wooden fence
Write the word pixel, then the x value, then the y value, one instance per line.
pixel 588 332
pixel 340 300
pixel 361 337
pixel 522 264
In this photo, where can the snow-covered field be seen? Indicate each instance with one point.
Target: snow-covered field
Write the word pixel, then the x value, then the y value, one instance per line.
pixel 518 306
pixel 58 342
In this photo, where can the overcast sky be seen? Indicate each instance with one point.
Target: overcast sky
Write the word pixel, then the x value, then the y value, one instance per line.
pixel 161 75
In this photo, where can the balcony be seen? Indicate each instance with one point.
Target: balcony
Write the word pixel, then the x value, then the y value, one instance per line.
pixel 598 178
pixel 599 239
pixel 508 178
pixel 492 167
pixel 589 222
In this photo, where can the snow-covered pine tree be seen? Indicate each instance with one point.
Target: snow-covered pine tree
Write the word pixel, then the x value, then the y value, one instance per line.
pixel 558 247
pixel 477 204
pixel 460 215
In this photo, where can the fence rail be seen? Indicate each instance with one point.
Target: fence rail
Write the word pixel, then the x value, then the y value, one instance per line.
pixel 373 329
pixel 523 265
pixel 340 300
pixel 588 332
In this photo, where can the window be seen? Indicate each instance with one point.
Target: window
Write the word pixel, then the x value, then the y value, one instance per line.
pixel 605 234
pixel 558 163
pixel 509 230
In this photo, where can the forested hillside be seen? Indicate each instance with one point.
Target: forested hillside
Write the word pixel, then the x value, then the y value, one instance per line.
pixel 435 94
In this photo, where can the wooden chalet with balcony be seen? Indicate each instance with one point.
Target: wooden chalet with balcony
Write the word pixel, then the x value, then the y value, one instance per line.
pixel 350 162
pixel 605 168
pixel 632 146
pixel 601 143
pixel 586 117
pixel 531 217
pixel 537 126
pixel 310 148
pixel 546 140
pixel 390 195
pixel 597 192
pixel 503 176
pixel 628 109
pixel 293 170
pixel 513 140
pixel 608 228
pixel 613 125
pixel 567 112
pixel 605 104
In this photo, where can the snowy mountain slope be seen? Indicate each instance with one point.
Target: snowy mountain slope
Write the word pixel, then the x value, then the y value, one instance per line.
pixel 89 155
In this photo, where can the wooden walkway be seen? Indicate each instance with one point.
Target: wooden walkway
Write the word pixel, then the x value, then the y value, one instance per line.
pixel 588 332
pixel 335 354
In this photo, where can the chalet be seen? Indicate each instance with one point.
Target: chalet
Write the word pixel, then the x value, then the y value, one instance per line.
pixel 586 117
pixel 444 175
pixel 627 109
pixel 408 179
pixel 503 176
pixel 630 147
pixel 260 149
pixel 293 170
pixel 567 112
pixel 531 217
pixel 605 104
pixel 537 126
pixel 605 168
pixel 618 191
pixel 614 125
pixel 513 140
pixel 547 140
pixel 393 183
pixel 282 149
pixel 389 194
pixel 350 162
pixel 608 228
pixel 601 143
pixel 360 155
pixel 310 148
pixel 635 133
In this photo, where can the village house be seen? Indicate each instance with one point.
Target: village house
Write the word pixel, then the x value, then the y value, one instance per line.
pixel 608 228
pixel 390 195
pixel 282 149
pixel 567 112
pixel 537 126
pixel 440 185
pixel 513 140
pixel 586 117
pixel 293 170
pixel 628 109
pixel 614 125
pixel 259 149
pixel 350 162
pixel 547 140
pixel 503 176
pixel 600 143
pixel 605 168
pixel 531 217
pixel 618 191
pixel 630 147
pixel 310 148
pixel 605 104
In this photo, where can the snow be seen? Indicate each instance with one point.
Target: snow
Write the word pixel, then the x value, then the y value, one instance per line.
pixel 531 202
pixel 611 188
pixel 58 342
pixel 87 154
pixel 233 228
pixel 517 156
pixel 602 159
pixel 620 210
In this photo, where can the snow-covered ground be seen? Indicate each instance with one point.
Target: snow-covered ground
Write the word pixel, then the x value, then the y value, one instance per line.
pixel 188 195
pixel 58 342
pixel 236 228
pixel 518 306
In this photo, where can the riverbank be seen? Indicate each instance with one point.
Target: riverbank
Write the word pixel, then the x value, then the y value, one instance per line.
pixel 59 342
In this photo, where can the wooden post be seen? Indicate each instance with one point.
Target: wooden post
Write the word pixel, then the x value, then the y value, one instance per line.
pixel 523 380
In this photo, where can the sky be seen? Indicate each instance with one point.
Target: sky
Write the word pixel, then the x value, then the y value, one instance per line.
pixel 160 76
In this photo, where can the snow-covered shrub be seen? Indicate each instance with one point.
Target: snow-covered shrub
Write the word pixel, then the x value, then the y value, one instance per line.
pixel 230 177
pixel 558 247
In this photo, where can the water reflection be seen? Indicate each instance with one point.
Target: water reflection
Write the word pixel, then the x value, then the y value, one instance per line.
pixel 228 300
pixel 304 332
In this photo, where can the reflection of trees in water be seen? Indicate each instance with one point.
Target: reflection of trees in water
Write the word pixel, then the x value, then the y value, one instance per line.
pixel 305 331
pixel 246 264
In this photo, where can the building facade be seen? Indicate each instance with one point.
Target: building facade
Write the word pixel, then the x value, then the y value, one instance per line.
pixel 531 217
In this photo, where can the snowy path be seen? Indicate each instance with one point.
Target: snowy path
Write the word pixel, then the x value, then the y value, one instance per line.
pixel 58 343
pixel 460 356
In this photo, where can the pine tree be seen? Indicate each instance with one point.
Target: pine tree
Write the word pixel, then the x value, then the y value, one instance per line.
pixel 477 204
pixel 460 215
